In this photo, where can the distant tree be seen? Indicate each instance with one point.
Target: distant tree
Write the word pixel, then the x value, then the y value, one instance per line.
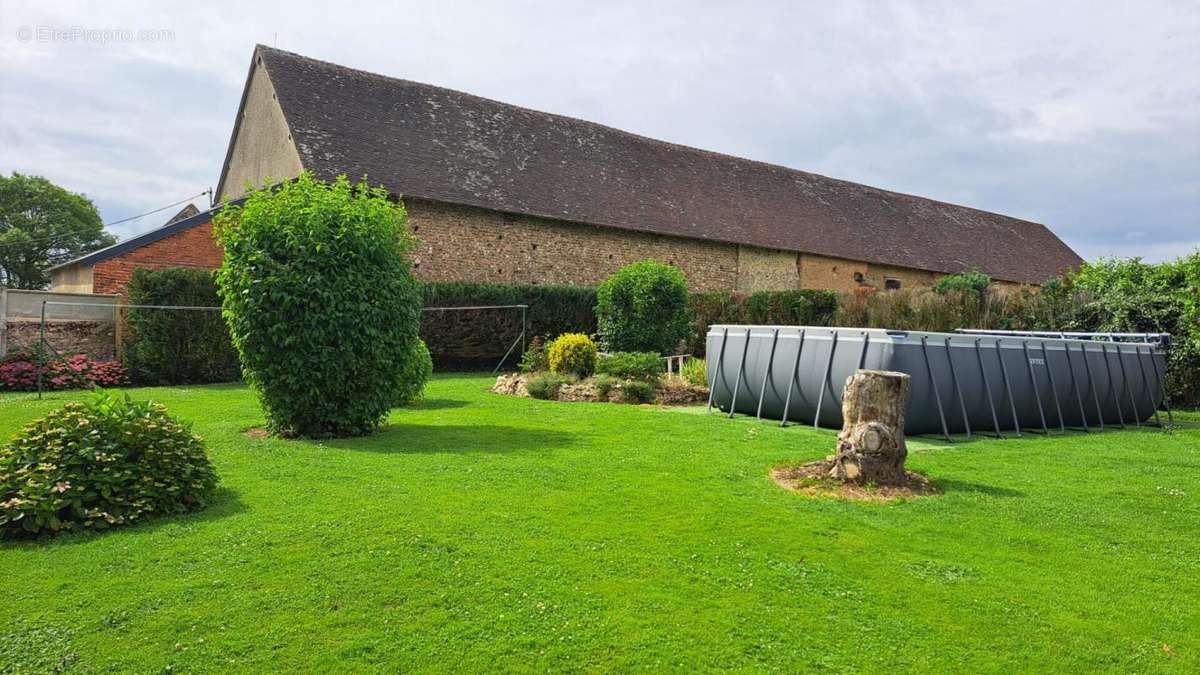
pixel 42 224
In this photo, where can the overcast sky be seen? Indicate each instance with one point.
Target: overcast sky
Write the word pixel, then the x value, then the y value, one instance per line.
pixel 1083 116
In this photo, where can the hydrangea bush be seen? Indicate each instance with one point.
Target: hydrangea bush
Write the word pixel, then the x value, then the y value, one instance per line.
pixel 105 462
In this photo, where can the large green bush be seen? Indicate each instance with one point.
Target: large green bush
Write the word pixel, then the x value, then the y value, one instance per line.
pixel 165 346
pixel 105 462
pixel 321 303
pixel 643 308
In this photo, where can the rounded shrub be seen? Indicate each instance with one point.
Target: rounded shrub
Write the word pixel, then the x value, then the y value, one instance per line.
pixel 102 463
pixel 572 354
pixel 643 308
pixel 321 303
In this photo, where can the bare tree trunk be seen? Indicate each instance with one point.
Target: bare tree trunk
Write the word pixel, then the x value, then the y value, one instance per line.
pixel 871 444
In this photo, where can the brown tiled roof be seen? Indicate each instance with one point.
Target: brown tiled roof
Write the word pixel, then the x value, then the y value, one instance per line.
pixel 433 143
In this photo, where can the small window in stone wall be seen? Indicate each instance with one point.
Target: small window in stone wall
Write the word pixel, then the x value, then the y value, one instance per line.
pixel 859 278
pixel 891 283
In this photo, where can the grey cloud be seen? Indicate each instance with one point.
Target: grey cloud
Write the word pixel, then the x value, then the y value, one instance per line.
pixel 1080 116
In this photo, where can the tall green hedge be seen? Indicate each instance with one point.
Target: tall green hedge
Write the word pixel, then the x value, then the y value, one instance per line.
pixel 321 303
pixel 164 346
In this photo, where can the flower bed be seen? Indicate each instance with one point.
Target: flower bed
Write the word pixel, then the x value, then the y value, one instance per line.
pixel 19 372
pixel 666 391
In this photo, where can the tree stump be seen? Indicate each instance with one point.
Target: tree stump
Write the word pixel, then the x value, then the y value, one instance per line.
pixel 871 444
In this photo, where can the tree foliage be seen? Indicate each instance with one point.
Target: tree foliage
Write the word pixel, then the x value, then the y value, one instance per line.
pixel 42 224
pixel 643 308
pixel 321 303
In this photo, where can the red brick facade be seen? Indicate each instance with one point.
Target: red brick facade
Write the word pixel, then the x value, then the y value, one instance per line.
pixel 193 247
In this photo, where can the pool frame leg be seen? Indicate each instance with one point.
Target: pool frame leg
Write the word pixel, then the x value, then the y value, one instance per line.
pixel 1161 378
pixel 1062 426
pixel 1111 385
pixel 957 389
pixel 712 389
pixel 1012 403
pixel 936 395
pixel 1137 416
pixel 1037 395
pixel 741 368
pixel 987 386
pixel 762 391
pixel 825 381
pixel 862 356
pixel 787 402
pixel 1087 369
pixel 1075 386
pixel 1146 383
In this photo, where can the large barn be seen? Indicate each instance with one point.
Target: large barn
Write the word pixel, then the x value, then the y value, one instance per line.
pixel 496 192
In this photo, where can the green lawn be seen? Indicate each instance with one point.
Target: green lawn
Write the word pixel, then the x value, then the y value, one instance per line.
pixel 480 532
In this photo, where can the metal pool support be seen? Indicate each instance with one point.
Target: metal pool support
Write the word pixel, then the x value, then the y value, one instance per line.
pixel 796 373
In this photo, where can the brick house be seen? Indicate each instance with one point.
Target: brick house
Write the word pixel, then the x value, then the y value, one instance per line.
pixel 497 192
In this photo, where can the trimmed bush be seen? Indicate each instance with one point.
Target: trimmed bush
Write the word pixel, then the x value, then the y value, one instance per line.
pixel 546 385
pixel 643 308
pixel 177 346
pixel 321 303
pixel 572 354
pixel 638 391
pixel 632 365
pixel 106 462
pixel 418 368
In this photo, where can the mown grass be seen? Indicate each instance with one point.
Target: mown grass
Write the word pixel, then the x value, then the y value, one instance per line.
pixel 480 532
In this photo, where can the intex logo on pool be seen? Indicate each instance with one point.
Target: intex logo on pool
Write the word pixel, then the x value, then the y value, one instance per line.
pixel 1037 362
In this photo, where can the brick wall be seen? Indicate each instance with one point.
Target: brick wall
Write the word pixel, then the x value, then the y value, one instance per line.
pixel 193 247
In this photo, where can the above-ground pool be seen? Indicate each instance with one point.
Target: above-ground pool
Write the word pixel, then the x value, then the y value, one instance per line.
pixel 961 382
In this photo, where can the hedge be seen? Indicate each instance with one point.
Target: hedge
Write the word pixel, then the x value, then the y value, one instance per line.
pixel 479 338
pixel 177 346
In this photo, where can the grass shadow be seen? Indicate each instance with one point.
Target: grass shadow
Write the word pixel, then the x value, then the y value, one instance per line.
pixel 224 503
pixel 452 438
pixel 949 485
pixel 436 404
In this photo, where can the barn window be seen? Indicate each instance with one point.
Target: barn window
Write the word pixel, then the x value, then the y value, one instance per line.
pixel 891 283
pixel 858 277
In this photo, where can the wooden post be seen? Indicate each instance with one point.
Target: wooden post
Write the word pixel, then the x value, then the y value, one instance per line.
pixel 871 444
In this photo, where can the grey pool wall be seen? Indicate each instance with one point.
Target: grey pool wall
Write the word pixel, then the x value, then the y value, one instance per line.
pixel 960 383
